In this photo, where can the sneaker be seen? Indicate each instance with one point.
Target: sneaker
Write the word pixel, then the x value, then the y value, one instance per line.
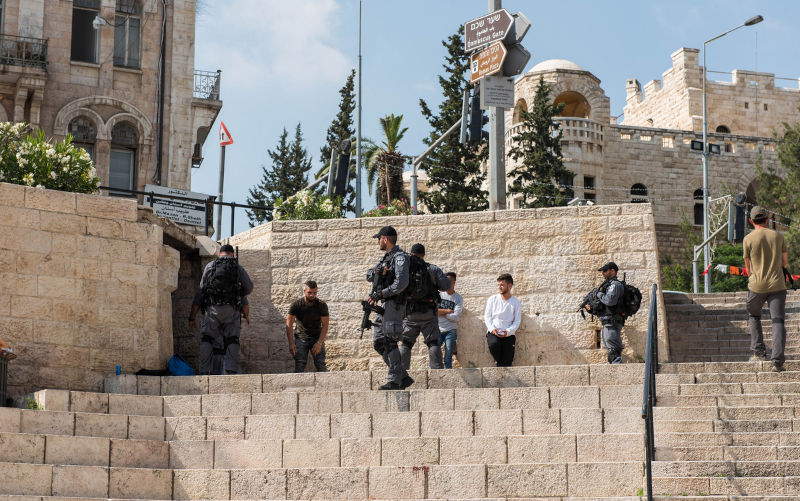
pixel 391 385
pixel 406 382
pixel 776 367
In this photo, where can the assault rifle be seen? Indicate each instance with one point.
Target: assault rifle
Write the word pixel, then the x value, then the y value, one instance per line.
pixel 591 300
pixel 368 307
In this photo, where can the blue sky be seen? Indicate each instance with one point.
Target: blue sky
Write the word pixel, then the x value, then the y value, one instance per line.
pixel 283 62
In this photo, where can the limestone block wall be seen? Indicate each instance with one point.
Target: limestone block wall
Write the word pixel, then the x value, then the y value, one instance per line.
pixel 553 255
pixel 84 287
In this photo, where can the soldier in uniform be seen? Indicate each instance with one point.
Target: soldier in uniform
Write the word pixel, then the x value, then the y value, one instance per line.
pixel 391 274
pixel 222 295
pixel 422 312
pixel 610 293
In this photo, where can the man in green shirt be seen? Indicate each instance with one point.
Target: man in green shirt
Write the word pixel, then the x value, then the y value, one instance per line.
pixel 309 318
pixel 765 257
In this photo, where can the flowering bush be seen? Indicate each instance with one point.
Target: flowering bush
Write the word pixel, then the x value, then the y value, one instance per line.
pixel 399 207
pixel 308 205
pixel 28 158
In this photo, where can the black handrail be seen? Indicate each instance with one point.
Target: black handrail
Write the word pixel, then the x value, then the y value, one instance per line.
pixel 211 200
pixel 649 398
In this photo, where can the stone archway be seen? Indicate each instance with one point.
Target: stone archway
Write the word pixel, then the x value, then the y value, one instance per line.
pixel 575 104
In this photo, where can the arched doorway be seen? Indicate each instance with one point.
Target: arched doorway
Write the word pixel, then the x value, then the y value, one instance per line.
pixel 575 105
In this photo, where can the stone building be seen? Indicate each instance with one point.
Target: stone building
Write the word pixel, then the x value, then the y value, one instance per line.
pixel 647 155
pixel 93 69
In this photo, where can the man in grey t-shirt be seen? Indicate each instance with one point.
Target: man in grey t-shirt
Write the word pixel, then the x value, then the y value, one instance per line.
pixel 450 308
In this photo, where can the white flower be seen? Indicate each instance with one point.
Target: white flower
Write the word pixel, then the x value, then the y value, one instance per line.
pixel 28 179
pixel 51 152
pixel 53 174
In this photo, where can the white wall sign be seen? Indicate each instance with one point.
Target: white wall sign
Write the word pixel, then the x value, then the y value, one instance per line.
pixel 180 211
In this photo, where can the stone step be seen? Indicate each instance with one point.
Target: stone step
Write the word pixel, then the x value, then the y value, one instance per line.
pixel 319 452
pixel 726 438
pixel 349 425
pixel 726 413
pixel 736 468
pixel 722 367
pixel 486 377
pixel 374 482
pixel 757 487
pixel 288 402
pixel 739 425
pixel 729 453
pixel 764 388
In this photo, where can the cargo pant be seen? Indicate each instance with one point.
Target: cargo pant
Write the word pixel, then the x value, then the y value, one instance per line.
pixel 219 344
pixel 612 340
pixel 777 312
pixel 386 332
pixel 427 323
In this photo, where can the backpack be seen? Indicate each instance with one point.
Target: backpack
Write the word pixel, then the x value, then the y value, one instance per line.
pixel 421 288
pixel 177 366
pixel 630 301
pixel 223 285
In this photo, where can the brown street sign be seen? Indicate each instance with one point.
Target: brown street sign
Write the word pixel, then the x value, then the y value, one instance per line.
pixel 487 62
pixel 487 29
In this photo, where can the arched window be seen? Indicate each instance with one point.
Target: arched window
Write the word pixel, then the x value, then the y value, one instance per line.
pixel 83 134
pixel 518 109
pixel 723 129
pixel 122 167
pixel 575 105
pixel 638 193
pixel 698 206
pixel 127 33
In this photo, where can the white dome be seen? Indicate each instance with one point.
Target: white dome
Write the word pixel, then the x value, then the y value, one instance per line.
pixel 555 64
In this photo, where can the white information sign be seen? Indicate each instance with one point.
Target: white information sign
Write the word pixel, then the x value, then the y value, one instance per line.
pixel 180 211
pixel 497 91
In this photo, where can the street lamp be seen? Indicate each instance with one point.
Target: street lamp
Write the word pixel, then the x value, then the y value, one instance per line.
pixel 706 249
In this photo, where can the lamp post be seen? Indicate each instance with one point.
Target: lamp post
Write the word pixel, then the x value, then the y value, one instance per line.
pixel 707 249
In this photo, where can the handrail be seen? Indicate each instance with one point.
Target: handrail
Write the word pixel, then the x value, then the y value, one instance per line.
pixel 649 397
pixel 211 200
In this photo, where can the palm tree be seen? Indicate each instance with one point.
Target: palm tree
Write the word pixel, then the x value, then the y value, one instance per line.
pixel 386 161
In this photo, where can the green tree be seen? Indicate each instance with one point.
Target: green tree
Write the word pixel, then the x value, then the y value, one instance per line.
pixel 541 177
pixel 454 173
pixel 777 190
pixel 387 161
pixel 286 176
pixel 340 130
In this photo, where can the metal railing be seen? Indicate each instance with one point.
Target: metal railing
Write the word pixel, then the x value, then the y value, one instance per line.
pixel 649 398
pixel 208 203
pixel 23 51
pixel 206 84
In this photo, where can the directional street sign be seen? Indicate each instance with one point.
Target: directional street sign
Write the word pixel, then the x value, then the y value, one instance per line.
pixel 487 62
pixel 487 29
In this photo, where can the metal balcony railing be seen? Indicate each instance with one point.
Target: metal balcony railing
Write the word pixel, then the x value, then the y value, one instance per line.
pixel 23 51
pixel 206 84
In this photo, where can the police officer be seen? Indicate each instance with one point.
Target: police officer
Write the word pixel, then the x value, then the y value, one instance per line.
pixel 609 294
pixel 422 312
pixel 222 295
pixel 391 274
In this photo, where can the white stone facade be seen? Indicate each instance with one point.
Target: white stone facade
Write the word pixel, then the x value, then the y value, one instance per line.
pixel 59 69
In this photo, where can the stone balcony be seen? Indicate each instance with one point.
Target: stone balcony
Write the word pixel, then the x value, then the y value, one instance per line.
pixel 573 129
pixel 206 105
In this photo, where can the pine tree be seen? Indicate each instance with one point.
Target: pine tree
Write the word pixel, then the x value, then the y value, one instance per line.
pixel 454 173
pixel 286 176
pixel 341 129
pixel 541 177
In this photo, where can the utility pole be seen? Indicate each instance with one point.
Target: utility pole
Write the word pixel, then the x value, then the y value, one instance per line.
pixel 497 160
pixel 358 121
pixel 221 185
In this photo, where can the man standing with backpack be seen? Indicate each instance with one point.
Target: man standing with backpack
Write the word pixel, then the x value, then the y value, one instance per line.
pixel 222 296
pixel 610 295
pixel 422 305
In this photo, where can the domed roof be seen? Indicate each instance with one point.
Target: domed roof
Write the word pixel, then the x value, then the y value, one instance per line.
pixel 555 64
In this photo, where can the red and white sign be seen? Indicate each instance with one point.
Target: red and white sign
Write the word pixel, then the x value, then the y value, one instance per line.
pixel 224 136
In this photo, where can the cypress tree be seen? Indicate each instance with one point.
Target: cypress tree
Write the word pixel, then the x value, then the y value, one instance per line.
pixel 541 177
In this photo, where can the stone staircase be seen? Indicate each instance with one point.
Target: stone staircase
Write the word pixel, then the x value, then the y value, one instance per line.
pixel 723 432
pixel 728 429
pixel 713 327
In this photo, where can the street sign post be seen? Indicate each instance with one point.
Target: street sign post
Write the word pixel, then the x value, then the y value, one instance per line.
pixel 497 91
pixel 487 62
pixel 486 29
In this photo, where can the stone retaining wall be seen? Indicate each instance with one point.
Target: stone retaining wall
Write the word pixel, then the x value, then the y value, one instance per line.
pixel 84 287
pixel 553 255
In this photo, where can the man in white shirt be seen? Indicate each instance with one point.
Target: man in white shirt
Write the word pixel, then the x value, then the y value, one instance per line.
pixel 502 317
